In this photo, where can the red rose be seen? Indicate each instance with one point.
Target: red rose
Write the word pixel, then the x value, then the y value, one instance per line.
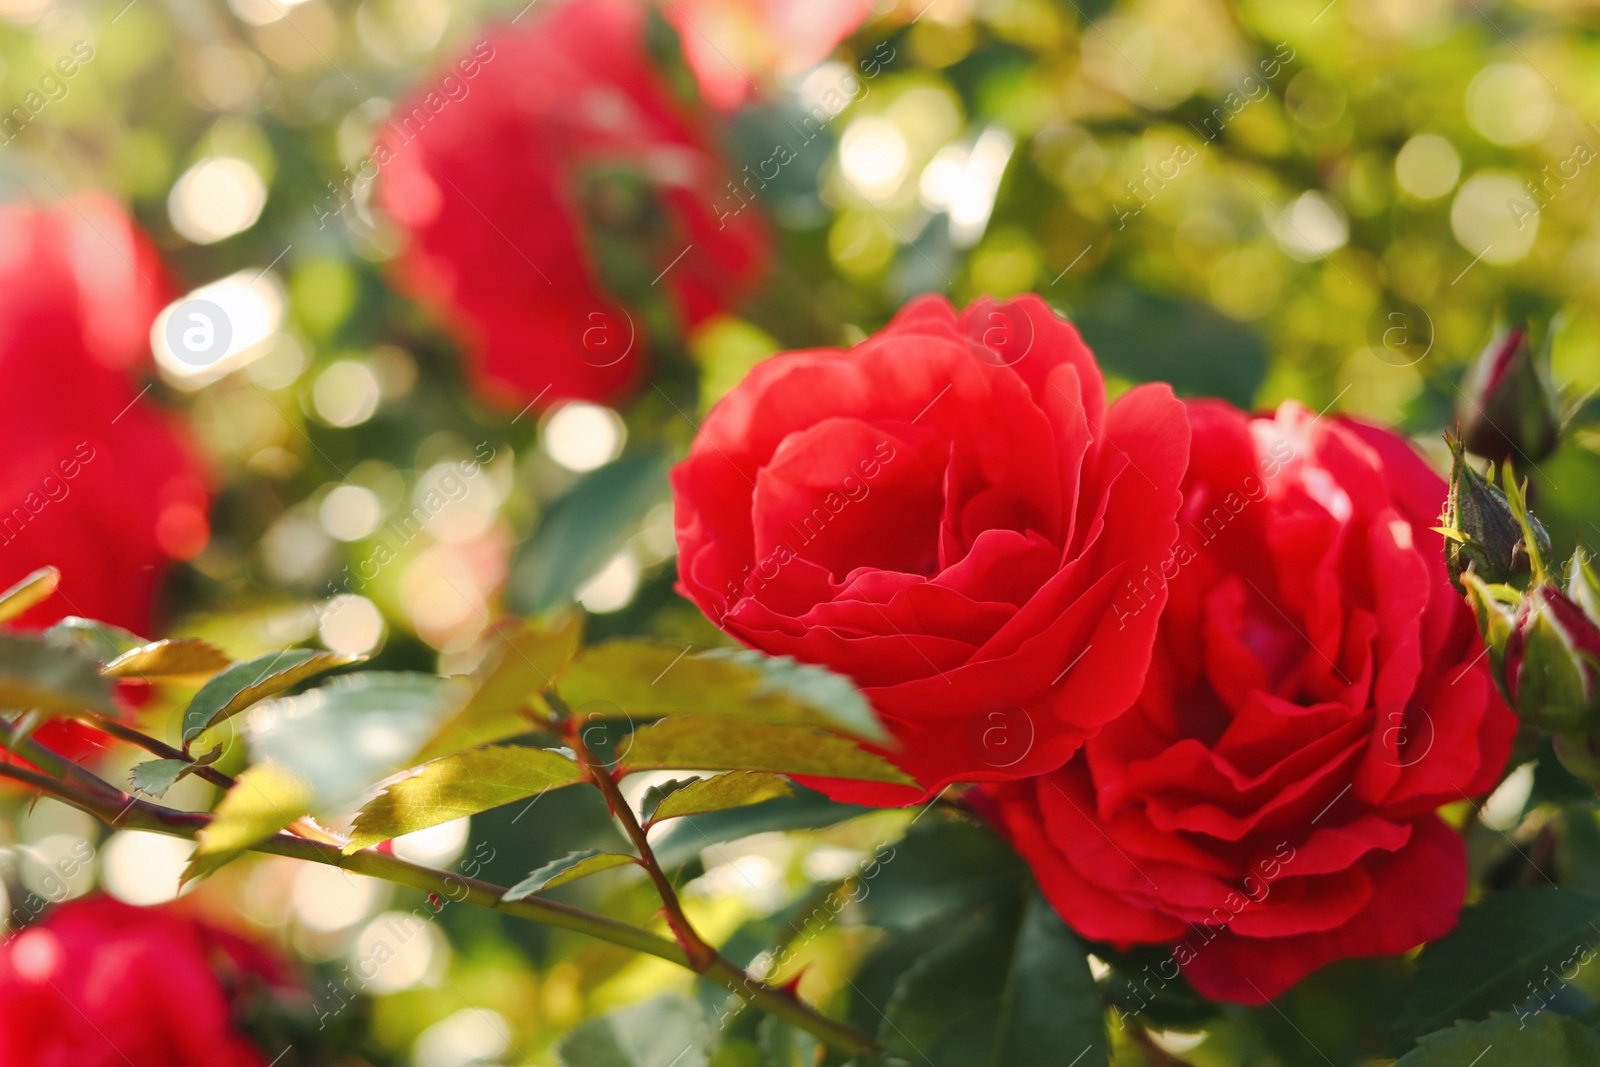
pixel 100 983
pixel 492 166
pixel 96 480
pixel 1317 691
pixel 945 513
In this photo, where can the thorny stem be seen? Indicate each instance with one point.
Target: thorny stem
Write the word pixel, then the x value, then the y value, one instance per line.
pixel 68 782
pixel 123 732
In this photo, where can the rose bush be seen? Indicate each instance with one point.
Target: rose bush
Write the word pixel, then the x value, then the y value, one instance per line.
pixel 99 983
pixel 945 513
pixel 1316 693
pixel 503 167
pixel 97 481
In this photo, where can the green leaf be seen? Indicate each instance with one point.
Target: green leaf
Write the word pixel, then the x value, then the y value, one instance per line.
pixel 667 1031
pixel 524 658
pixel 942 866
pixel 783 1045
pixel 682 839
pixel 716 744
pixel 1011 987
pixel 1503 1040
pixel 648 679
pixel 154 777
pixel 187 660
pixel 1487 961
pixel 736 790
pixel 245 683
pixel 36 672
pixel 263 800
pixel 351 733
pixel 584 529
pixel 568 868
pixel 98 639
pixel 463 784
pixel 34 589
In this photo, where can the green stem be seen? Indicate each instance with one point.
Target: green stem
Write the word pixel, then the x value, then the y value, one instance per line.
pixel 117 809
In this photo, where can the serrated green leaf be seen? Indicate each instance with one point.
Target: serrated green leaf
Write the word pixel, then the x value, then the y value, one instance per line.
pixel 1497 948
pixel 154 777
pixel 523 659
pixel 243 684
pixel 716 744
pixel 1011 987
pixel 34 589
pixel 735 790
pixel 185 660
pixel 263 800
pixel 36 672
pixel 461 784
pixel 583 529
pixel 649 679
pixel 682 839
pixel 347 735
pixel 568 868
pixel 666 1031
pixel 93 638
pixel 1504 1040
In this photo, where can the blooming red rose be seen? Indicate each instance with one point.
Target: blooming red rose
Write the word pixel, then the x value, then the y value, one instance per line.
pixel 945 513
pixel 96 481
pixel 493 167
pixel 1317 691
pixel 99 983
pixel 733 44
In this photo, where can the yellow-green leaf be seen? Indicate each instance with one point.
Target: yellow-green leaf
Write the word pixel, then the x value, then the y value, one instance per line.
pixel 184 660
pixel 523 659
pixel 461 784
pixel 720 793
pixel 263 800
pixel 34 589
pixel 644 678
pixel 568 868
pixel 37 672
pixel 245 683
pixel 718 744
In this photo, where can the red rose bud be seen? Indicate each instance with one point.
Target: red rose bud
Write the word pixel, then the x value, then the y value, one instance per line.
pixel 1481 528
pixel 1508 406
pixel 1552 659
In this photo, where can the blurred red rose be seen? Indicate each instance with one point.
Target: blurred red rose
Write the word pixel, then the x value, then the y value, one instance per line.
pixel 945 513
pixel 99 983
pixel 735 46
pixel 96 480
pixel 1317 691
pixel 494 168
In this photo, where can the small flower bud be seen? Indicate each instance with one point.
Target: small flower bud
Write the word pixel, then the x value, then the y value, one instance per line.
pixel 1508 407
pixel 1481 527
pixel 1552 662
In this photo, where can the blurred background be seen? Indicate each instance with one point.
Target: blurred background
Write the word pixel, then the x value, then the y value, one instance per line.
pixel 1334 201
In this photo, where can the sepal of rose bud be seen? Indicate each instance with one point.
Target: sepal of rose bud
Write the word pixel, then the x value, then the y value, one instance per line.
pixel 1580 755
pixel 1508 407
pixel 1495 607
pixel 1583 586
pixel 1552 662
pixel 1483 526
